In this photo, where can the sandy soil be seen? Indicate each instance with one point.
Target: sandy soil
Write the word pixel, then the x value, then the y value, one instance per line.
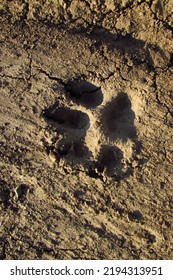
pixel 86 123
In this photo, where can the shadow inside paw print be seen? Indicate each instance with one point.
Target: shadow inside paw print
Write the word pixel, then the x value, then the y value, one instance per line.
pixel 73 149
pixel 67 118
pixel 110 161
pixel 118 118
pixel 84 93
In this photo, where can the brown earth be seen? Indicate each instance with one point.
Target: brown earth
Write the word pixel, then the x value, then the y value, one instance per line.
pixel 86 122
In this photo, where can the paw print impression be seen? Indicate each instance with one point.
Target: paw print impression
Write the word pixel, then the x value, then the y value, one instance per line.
pixel 92 132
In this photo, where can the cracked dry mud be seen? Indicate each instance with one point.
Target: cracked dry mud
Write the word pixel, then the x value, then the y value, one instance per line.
pixel 86 131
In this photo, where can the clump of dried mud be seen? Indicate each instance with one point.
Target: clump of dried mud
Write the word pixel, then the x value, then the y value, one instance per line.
pixel 86 130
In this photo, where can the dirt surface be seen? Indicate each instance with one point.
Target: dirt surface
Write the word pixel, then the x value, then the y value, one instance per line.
pixel 86 123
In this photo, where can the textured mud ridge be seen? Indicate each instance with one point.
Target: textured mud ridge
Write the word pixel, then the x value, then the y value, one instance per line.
pixel 86 139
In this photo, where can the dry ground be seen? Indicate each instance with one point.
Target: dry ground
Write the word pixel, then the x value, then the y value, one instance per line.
pixel 86 123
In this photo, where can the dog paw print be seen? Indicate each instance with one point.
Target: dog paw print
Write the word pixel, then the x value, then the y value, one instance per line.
pixel 93 133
